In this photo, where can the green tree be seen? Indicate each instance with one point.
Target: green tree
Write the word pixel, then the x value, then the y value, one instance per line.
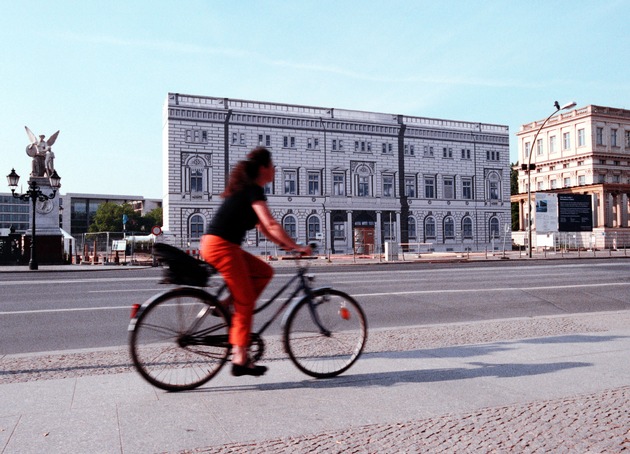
pixel 109 217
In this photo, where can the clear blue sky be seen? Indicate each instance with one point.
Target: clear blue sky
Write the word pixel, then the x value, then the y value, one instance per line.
pixel 99 71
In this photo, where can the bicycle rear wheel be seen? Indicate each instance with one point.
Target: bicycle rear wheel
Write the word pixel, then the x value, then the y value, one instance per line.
pixel 176 342
pixel 331 351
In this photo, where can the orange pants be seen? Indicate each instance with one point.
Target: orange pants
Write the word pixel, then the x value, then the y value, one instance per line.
pixel 246 277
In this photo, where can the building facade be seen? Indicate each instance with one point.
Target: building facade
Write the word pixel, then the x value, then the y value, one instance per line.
pixel 584 151
pixel 14 213
pixel 346 180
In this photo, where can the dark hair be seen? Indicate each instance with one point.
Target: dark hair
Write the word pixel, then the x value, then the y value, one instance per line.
pixel 245 172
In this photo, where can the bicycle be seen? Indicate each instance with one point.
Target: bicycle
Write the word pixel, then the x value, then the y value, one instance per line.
pixel 178 339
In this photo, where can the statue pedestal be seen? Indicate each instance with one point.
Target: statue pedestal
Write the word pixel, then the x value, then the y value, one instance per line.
pixel 49 237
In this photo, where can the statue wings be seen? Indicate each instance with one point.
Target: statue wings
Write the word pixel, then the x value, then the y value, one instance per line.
pixel 33 138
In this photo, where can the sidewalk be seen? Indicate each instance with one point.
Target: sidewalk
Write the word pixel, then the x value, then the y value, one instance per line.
pixel 564 391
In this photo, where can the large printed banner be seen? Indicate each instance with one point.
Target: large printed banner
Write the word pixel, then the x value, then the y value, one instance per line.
pixel 575 213
pixel 546 213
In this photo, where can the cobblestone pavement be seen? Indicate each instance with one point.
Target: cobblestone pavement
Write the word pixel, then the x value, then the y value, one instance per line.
pixel 594 423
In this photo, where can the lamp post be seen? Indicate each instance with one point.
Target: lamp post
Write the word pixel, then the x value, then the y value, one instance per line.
pixel 34 194
pixel 531 167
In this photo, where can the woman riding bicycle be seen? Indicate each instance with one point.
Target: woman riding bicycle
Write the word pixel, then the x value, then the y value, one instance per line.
pixel 244 207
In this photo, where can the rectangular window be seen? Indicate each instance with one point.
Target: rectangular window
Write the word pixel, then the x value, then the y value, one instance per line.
pixel 539 186
pixel 410 186
pixel 429 187
pixel 613 138
pixel 339 184
pixel 409 150
pixel 313 183
pixel 567 182
pixel 467 188
pixel 363 186
pixel 234 138
pixel 539 147
pixel 552 144
pixel 553 184
pixel 582 180
pixel 196 181
pixel 242 139
pixel 288 142
pixel 428 151
pixel 290 182
pixel 526 149
pixel 581 138
pixel 566 140
pixel 339 230
pixel 465 153
pixel 449 188
pixel 599 136
pixel 388 186
pixel 447 152
pixel 269 188
pixel 627 139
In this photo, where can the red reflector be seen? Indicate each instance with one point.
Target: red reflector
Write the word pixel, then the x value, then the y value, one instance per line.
pixel 134 310
pixel 344 313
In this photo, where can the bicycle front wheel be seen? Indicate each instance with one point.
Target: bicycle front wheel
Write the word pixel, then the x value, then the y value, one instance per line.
pixel 325 335
pixel 180 340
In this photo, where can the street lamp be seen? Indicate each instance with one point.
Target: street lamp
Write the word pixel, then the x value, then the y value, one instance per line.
pixel 531 167
pixel 34 194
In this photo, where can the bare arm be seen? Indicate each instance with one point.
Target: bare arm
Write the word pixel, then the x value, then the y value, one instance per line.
pixel 274 231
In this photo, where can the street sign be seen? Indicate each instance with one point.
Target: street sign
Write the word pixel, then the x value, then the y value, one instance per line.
pixel 125 219
pixel 156 230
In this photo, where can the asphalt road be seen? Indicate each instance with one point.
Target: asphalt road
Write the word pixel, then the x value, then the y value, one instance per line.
pixel 50 311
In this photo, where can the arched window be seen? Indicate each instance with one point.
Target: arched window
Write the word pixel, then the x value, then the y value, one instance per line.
pixel 195 226
pixel 313 228
pixel 449 228
pixel 467 228
pixel 411 228
pixel 429 228
pixel 290 226
pixel 494 228
pixel 493 187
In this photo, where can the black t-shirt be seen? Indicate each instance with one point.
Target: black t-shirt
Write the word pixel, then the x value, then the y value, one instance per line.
pixel 236 216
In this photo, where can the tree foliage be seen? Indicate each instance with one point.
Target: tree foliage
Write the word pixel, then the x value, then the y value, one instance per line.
pixel 109 218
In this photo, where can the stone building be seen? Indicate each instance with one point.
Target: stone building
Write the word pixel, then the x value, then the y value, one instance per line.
pixel 584 151
pixel 346 180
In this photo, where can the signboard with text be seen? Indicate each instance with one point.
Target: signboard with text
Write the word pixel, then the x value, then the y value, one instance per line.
pixel 546 213
pixel 575 213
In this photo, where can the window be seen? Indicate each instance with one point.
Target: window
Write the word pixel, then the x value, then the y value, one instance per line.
pixel 411 228
pixel 566 140
pixel 493 188
pixel 288 142
pixel 627 139
pixel 339 230
pixel 526 149
pixel 388 186
pixel 313 183
pixel 337 145
pixel 387 148
pixel 552 144
pixel 290 226
pixel 339 183
pixel 567 182
pixel 492 155
pixel 494 228
pixel 467 228
pixel 196 136
pixel 313 228
pixel 196 227
pixel 363 181
pixel 467 188
pixel 465 153
pixel 613 138
pixel 539 147
pixel 269 188
pixel 449 187
pixel 409 150
pixel 196 180
pixel 410 186
pixel 429 187
pixel 312 143
pixel 582 180
pixel 447 152
pixel 363 186
pixel 449 228
pixel 601 178
pixel 429 228
pixel 539 186
pixel 234 138
pixel 553 184
pixel 581 138
pixel 290 182
pixel 599 136
pixel 264 140
pixel 428 151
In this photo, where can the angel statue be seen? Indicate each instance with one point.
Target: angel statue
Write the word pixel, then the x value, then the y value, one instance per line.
pixel 41 152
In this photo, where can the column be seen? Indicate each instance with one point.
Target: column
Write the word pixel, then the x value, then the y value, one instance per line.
pixel 350 235
pixel 378 234
pixel 329 237
pixel 609 210
pixel 398 229
pixel 624 210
